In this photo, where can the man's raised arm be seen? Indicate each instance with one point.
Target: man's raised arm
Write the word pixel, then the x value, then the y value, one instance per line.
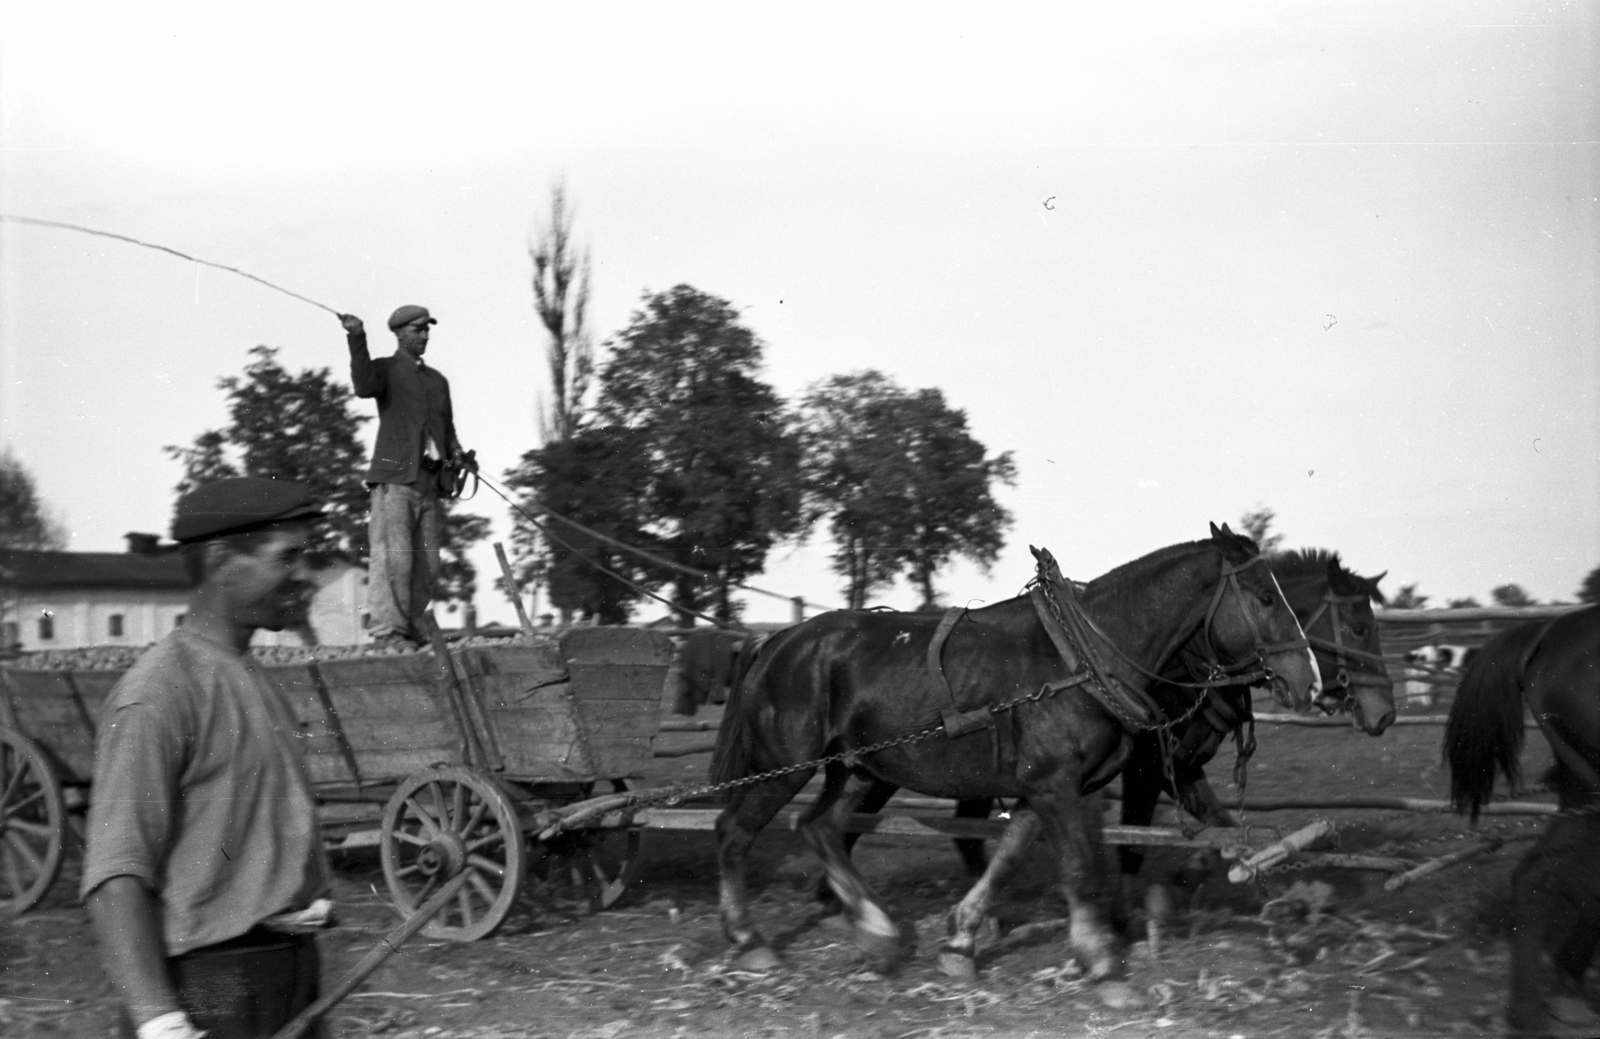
pixel 368 379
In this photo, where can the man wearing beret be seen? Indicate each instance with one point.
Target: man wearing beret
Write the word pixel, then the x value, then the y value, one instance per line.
pixel 205 873
pixel 411 466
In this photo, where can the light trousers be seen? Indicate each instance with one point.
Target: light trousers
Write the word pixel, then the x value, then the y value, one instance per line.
pixel 404 527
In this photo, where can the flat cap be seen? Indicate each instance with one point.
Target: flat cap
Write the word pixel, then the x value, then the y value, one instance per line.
pixel 408 314
pixel 240 503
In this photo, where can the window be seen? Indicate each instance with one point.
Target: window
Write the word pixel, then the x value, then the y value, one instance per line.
pixel 114 626
pixel 47 626
pixel 177 622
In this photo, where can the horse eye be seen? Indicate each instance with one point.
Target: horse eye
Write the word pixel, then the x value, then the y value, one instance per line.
pixel 1360 630
pixel 1267 598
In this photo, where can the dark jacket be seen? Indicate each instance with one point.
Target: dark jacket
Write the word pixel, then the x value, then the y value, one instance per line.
pixel 413 399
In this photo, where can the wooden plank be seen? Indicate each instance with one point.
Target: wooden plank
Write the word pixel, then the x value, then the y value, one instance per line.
pixel 615 645
pixel 609 718
pixel 542 738
pixel 618 681
pixel 908 825
pixel 621 757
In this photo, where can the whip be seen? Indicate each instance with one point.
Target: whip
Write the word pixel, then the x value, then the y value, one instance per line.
pixel 162 248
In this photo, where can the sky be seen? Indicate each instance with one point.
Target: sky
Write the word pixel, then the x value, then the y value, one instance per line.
pixel 1182 260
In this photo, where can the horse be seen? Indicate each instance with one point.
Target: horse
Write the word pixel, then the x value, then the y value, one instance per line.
pixel 1054 682
pixel 1334 607
pixel 1551 668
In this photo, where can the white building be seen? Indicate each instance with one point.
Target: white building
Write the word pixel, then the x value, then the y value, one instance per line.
pixel 65 600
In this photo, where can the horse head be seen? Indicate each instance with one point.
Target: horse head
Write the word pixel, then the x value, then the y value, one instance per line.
pixel 1361 678
pixel 1249 623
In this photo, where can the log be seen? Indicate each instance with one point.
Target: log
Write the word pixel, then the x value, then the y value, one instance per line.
pixel 1272 854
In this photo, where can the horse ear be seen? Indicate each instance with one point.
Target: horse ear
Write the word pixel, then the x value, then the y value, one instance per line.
pixel 1035 552
pixel 1215 532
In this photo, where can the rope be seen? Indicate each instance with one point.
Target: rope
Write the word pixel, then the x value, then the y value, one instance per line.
pixel 641 553
pixel 162 248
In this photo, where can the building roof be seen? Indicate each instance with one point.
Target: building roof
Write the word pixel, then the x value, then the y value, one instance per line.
pixel 45 571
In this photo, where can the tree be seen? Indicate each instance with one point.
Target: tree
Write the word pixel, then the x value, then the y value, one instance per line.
pixel 1258 525
pixel 904 484
pixel 1512 595
pixel 301 426
pixel 592 478
pixel 561 299
pixel 458 578
pixel 1463 604
pixel 26 521
pixel 1589 591
pixel 1407 598
pixel 721 482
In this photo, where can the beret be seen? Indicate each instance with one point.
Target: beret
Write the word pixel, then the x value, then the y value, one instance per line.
pixel 240 503
pixel 409 313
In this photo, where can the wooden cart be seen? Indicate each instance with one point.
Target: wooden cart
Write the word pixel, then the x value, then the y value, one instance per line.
pixel 441 766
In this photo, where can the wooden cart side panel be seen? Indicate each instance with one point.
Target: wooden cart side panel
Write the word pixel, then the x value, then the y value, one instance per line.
pixel 41 706
pixel 527 700
pixel 394 714
pixel 617 677
pixel 317 737
pixel 609 645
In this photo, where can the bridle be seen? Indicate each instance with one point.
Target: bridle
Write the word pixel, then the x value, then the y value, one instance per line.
pixel 1348 657
pixel 1254 668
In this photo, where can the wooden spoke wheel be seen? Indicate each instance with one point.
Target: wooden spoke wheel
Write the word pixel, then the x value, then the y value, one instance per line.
pixel 441 822
pixel 594 867
pixel 33 823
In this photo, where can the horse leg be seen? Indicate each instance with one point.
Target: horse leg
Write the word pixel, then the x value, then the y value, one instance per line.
pixel 750 809
pixel 823 829
pixel 1073 825
pixel 959 956
pixel 1554 903
pixel 1141 788
pixel 971 848
pixel 868 796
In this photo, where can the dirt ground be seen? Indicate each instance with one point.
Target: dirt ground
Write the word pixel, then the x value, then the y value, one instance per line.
pixel 1305 953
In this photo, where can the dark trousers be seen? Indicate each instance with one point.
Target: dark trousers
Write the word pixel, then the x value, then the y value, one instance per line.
pixel 248 987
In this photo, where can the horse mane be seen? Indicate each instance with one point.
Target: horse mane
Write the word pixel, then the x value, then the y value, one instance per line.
pixel 1313 563
pixel 1113 580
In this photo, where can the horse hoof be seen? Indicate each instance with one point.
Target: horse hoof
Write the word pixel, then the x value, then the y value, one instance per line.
pixel 955 965
pixel 1570 1010
pixel 1119 995
pixel 837 922
pixel 883 951
pixel 759 960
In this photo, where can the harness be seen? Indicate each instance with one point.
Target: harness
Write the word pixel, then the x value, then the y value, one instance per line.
pixel 1348 677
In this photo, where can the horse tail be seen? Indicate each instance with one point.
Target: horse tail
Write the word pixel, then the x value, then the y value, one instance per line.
pixel 730 758
pixel 1484 731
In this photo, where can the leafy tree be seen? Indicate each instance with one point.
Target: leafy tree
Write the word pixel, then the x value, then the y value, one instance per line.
pixel 905 486
pixel 26 521
pixel 1512 595
pixel 1589 591
pixel 301 426
pixel 1463 604
pixel 1258 525
pixel 561 299
pixel 1407 598
pixel 593 478
pixel 289 426
pixel 721 480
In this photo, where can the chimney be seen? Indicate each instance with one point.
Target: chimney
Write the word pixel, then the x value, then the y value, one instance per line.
pixel 143 544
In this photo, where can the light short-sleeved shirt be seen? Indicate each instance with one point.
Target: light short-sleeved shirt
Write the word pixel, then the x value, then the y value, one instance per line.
pixel 201 793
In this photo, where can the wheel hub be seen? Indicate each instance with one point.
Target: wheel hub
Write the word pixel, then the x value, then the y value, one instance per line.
pixel 445 855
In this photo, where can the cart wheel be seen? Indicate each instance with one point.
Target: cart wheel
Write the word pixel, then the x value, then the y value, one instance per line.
pixel 599 864
pixel 440 822
pixel 33 823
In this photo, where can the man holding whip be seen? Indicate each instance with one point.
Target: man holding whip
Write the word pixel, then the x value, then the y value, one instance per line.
pixel 414 462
